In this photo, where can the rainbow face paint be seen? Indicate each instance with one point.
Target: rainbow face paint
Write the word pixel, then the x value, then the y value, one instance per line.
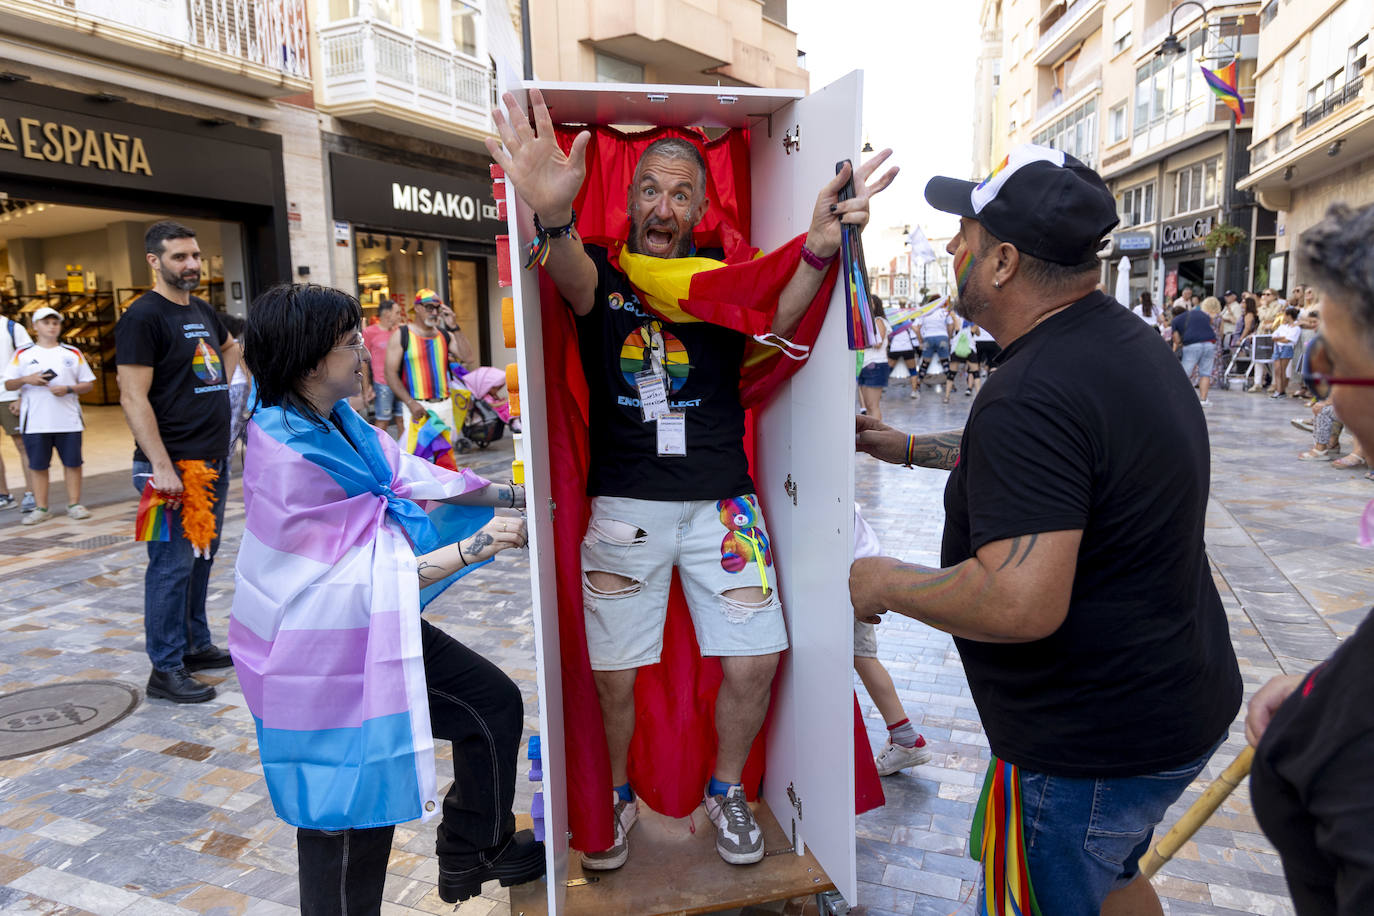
pixel 963 267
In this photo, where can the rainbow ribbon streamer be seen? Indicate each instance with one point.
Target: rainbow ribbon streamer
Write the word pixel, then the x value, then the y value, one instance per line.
pixel 1000 839
pixel 901 319
pixel 151 523
pixel 1225 84
pixel 863 330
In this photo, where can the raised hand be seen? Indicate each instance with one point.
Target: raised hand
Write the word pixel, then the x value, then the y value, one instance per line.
pixel 543 175
pixel 823 238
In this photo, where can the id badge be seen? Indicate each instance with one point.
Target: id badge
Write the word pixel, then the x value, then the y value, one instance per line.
pixel 653 394
pixel 672 435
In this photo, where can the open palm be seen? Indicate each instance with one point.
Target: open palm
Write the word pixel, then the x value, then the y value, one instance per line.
pixel 544 176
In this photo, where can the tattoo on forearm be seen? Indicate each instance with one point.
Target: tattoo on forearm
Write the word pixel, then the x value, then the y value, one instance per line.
pixel 430 572
pixel 934 581
pixel 1016 548
pixel 480 541
pixel 505 495
pixel 937 450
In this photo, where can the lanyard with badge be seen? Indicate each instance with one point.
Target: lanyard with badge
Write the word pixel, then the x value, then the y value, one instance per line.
pixel 654 407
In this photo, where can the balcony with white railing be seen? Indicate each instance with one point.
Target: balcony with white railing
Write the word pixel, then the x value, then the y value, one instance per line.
pixel 376 74
pixel 256 47
pixel 1080 20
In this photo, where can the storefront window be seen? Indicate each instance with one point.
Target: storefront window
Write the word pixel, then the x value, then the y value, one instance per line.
pixel 395 267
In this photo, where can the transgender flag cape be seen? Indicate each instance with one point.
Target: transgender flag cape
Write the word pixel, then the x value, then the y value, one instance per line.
pixel 325 631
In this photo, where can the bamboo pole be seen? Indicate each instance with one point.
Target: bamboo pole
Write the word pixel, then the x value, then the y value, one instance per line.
pixel 1198 814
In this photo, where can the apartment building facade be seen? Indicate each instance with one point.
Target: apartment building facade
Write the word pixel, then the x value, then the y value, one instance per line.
pixel 1086 77
pixel 1313 139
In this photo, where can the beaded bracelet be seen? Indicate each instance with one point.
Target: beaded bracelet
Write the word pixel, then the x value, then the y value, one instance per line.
pixel 538 250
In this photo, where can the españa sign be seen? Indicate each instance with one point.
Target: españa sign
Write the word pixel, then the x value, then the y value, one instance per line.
pixel 56 144
pixel 54 141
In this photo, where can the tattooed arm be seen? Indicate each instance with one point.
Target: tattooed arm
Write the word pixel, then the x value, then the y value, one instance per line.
pixel 501 533
pixel 932 450
pixel 508 495
pixel 1013 590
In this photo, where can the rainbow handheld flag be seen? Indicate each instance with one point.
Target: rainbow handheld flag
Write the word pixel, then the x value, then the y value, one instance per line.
pixel 325 626
pixel 1226 85
pixel 151 523
pixel 1000 841
pixel 430 440
pixel 863 330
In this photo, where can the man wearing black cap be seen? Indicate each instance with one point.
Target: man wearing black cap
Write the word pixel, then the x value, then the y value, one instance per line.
pixel 1104 682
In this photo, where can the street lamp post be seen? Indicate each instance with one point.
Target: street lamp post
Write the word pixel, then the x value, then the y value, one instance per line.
pixel 1171 47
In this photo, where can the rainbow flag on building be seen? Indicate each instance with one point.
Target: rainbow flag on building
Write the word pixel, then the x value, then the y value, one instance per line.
pixel 1225 83
pixel 325 627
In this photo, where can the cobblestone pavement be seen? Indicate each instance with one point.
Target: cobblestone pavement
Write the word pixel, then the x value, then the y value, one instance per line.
pixel 166 811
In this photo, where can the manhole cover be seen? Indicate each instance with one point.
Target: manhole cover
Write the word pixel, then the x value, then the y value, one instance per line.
pixel 42 718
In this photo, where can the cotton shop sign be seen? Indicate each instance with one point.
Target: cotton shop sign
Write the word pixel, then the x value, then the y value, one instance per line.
pixel 1185 234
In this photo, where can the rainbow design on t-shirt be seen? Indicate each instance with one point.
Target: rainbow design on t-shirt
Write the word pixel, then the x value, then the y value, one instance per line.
pixel 650 344
pixel 426 366
pixel 206 365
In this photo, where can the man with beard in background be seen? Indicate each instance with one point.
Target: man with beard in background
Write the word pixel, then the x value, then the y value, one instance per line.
pixel 417 367
pixel 175 360
pixel 668 473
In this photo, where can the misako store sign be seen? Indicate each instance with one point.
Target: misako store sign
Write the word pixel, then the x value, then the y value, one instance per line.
pixel 383 195
pixel 55 144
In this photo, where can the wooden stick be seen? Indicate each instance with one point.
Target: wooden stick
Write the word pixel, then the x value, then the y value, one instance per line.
pixel 1198 814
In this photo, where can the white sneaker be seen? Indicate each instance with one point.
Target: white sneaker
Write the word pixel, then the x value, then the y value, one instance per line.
pixel 626 813
pixel 894 757
pixel 78 511
pixel 36 517
pixel 915 394
pixel 739 838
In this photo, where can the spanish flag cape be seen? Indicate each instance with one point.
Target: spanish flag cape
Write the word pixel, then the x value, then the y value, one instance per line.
pixel 673 752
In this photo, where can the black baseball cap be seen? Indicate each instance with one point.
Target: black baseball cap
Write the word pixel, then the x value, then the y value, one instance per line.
pixel 1045 202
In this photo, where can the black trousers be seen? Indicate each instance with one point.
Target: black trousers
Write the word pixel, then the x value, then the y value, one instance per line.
pixel 476 706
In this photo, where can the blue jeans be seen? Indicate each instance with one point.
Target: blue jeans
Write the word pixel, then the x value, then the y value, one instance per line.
pixel 384 407
pixel 175 583
pixel 1085 836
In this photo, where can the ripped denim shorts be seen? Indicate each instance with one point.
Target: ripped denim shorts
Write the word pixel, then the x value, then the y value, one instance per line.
pixel 719 547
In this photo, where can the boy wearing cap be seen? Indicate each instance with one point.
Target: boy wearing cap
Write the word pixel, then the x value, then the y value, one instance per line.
pixel 50 376
pixel 1105 684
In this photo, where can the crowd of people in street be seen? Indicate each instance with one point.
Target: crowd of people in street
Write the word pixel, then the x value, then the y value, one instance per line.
pixel 355 521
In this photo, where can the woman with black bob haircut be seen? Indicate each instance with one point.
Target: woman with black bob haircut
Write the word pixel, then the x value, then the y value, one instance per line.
pixel 346 537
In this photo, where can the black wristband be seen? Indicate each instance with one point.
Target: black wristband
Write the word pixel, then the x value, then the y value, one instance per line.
pixel 555 232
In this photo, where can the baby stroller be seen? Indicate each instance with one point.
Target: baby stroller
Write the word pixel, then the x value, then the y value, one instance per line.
pixel 1250 357
pixel 479 422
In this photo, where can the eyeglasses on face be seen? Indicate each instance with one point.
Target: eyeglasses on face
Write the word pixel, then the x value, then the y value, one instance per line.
pixel 357 344
pixel 1316 372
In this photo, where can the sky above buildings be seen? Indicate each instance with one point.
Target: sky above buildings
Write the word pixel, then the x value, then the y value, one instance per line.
pixel 918 58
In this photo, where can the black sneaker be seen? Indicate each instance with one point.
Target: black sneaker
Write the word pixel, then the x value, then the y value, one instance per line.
pixel 211 657
pixel 179 687
pixel 7 501
pixel 519 859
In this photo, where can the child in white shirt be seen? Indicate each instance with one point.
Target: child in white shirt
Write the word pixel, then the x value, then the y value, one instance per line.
pixel 50 376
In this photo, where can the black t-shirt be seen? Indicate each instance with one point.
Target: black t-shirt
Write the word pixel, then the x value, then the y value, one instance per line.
pixel 702 364
pixel 189 393
pixel 1088 424
pixel 1310 783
